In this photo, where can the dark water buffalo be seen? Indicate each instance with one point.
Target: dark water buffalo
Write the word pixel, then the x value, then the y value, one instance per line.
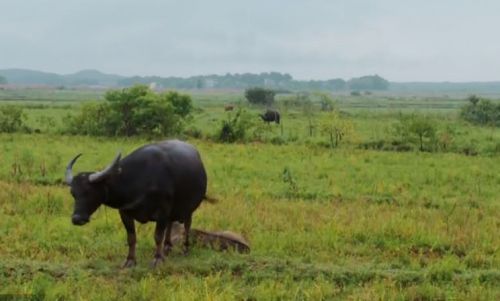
pixel 228 107
pixel 162 182
pixel 271 116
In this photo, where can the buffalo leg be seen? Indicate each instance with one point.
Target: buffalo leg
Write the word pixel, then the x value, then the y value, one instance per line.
pixel 128 222
pixel 168 239
pixel 159 237
pixel 187 228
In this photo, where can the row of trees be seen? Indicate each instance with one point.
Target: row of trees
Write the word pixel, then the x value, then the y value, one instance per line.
pixel 271 80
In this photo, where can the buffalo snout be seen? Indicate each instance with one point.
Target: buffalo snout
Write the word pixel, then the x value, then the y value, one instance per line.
pixel 79 220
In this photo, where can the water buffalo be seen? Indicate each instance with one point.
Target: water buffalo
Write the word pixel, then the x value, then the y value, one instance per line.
pixel 162 182
pixel 228 107
pixel 271 116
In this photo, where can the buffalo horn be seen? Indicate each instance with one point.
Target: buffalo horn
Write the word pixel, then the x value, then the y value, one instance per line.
pixel 99 175
pixel 69 170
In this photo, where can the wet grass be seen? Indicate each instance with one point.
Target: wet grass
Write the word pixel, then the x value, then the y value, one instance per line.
pixel 359 224
pixel 323 224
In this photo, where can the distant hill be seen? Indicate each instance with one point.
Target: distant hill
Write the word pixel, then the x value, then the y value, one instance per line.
pixel 81 78
pixel 92 77
pixel 30 77
pixel 274 80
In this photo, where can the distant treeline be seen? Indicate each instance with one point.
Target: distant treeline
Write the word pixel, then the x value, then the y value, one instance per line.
pixel 274 80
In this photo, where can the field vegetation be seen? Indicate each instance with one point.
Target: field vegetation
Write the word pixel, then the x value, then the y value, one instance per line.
pixel 350 197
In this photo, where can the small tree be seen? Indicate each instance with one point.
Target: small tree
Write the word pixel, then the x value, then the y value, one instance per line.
pixel 423 128
pixel 326 101
pixel 260 96
pixel 415 128
pixel 336 127
pixel 308 111
pixel 473 99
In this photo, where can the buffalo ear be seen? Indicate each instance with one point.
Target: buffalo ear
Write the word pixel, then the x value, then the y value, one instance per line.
pixel 103 174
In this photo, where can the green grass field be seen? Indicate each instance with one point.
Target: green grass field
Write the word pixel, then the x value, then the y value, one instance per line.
pixel 323 224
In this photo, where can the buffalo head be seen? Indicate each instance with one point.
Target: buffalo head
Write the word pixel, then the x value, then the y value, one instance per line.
pixel 88 190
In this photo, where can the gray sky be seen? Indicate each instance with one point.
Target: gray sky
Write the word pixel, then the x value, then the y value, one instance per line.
pixel 405 40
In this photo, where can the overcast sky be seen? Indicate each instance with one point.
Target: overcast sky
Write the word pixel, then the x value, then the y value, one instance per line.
pixel 401 40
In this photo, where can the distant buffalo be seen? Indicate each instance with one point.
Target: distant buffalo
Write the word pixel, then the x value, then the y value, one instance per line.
pixel 271 116
pixel 162 182
pixel 228 107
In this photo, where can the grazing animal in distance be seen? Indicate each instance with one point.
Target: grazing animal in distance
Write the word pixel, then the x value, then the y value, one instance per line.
pixel 271 116
pixel 162 182
pixel 228 107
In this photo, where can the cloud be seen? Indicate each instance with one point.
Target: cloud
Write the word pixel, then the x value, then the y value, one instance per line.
pixel 402 40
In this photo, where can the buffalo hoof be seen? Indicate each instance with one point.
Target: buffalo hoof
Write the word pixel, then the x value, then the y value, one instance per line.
pixel 156 262
pixel 167 249
pixel 129 263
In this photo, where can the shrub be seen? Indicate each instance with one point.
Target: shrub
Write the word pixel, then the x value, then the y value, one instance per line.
pixel 260 96
pixel 132 111
pixel 181 103
pixel 92 120
pixel 12 119
pixel 234 127
pixel 481 112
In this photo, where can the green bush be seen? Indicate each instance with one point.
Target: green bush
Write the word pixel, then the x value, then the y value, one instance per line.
pixel 92 120
pixel 260 96
pixel 132 111
pixel 481 112
pixel 181 102
pixel 234 127
pixel 12 119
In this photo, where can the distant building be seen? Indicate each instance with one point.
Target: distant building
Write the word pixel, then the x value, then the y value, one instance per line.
pixel 209 83
pixel 269 82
